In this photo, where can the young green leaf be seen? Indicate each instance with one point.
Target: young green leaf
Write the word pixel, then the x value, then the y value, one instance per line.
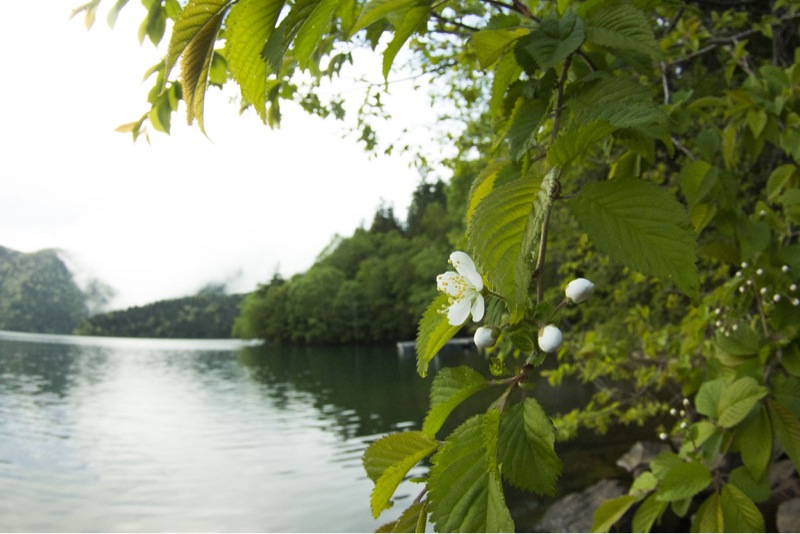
pixel 787 429
pixel 524 121
pixel 707 399
pixel 739 513
pixel 621 102
pixel 388 460
pixel 754 439
pixel 249 25
pixel 736 401
pixel 409 520
pixel 610 512
pixel 648 513
pixel 709 516
pixel 409 22
pixel 526 448
pixel 375 10
pixel 642 226
pixel 621 26
pixel 316 22
pixel 433 332
pixel 451 386
pixel 576 140
pixel 555 39
pixel 464 491
pixel 490 44
pixel 684 480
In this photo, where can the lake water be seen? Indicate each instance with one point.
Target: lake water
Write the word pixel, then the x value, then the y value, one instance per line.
pixel 103 434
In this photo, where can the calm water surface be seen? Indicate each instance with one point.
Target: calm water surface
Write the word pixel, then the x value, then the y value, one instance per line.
pixel 101 434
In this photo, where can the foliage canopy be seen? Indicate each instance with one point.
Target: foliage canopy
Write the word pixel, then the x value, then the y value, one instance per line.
pixel 651 147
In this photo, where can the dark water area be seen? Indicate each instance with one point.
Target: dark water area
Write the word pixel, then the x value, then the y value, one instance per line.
pixel 121 435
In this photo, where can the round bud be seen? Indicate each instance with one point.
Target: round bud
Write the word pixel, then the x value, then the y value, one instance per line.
pixel 484 337
pixel 579 290
pixel 550 338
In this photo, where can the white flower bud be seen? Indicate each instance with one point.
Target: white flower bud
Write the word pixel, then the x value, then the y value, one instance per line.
pixel 744 265
pixel 484 337
pixel 776 297
pixel 673 412
pixel 663 436
pixel 785 268
pixel 759 271
pixel 579 290
pixel 793 287
pixel 550 338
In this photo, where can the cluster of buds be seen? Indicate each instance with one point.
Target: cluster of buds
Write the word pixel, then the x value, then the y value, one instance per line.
pixel 549 336
pixel 755 280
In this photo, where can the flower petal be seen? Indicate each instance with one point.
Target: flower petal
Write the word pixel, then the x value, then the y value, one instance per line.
pixel 458 312
pixel 478 307
pixel 466 268
pixel 449 283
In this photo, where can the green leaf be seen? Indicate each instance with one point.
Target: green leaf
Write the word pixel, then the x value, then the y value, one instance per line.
pixel 376 10
pixel 684 480
pixel 316 21
pixel 610 512
pixel 526 448
pixel 739 513
pixel 451 386
pixel 388 460
pixel 754 440
pixel 707 399
pixel 737 400
pixel 755 489
pixel 193 39
pixel 464 491
pixel 409 520
pixel 621 26
pixel 787 429
pixel 744 341
pixel 642 226
pixel 114 12
pixel 576 140
pixel 433 332
pixel 525 119
pixel 484 183
pixel 621 102
pixel 648 513
pixel 555 39
pixel 778 180
pixel 502 232
pixel 697 179
pixel 411 21
pixel 249 25
pixel 505 73
pixel 709 516
pixel 490 44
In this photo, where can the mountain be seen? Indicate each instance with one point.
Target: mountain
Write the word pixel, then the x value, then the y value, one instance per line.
pixel 208 315
pixel 38 293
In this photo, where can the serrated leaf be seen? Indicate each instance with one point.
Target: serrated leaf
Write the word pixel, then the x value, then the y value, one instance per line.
pixel 744 341
pixel 739 513
pixel 756 490
pixel 375 10
pixel 684 480
pixel 737 400
pixel 709 516
pixel 754 439
pixel 465 495
pixel 410 22
pixel 388 460
pixel 313 27
pixel 707 399
pixel 505 73
pixel 409 520
pixel 524 123
pixel 279 41
pixel 642 226
pixel 484 184
pixel 451 386
pixel 648 513
pixel 554 39
pixel 621 102
pixel 787 429
pixel 504 231
pixel 193 38
pixel 433 332
pixel 621 26
pixel 576 140
pixel 610 512
pixel 249 25
pixel 490 44
pixel 526 448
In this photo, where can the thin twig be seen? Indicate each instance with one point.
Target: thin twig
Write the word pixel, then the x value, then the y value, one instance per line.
pixel 560 98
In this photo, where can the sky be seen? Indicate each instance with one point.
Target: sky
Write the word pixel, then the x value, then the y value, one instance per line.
pixel 161 220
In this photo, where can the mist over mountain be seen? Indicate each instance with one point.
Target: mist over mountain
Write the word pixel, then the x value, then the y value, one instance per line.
pixel 40 293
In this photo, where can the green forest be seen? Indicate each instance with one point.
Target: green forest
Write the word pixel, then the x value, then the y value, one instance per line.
pixel 644 151
pixel 371 287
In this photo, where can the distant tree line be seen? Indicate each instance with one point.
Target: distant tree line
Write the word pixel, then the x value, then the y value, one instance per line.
pixel 367 288
pixel 207 315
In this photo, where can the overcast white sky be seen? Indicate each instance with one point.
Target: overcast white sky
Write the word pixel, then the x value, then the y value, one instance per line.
pixel 161 220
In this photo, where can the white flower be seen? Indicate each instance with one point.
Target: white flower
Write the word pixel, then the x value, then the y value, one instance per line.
pixel 484 337
pixel 579 290
pixel 464 289
pixel 550 338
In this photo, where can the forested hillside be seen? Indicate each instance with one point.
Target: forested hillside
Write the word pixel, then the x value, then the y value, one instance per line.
pixel 207 315
pixel 38 293
pixel 369 287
